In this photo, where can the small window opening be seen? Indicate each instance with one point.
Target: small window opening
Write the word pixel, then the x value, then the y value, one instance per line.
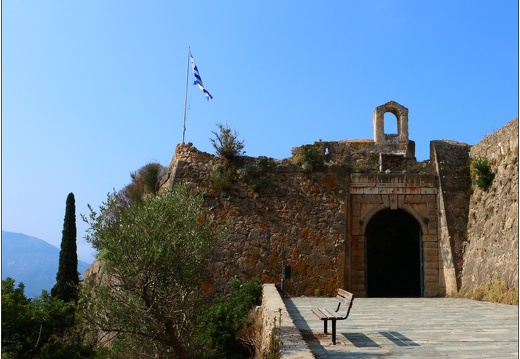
pixel 390 126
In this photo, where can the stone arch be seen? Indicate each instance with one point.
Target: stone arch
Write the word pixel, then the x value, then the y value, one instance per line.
pixel 368 216
pixel 378 118
pixel 410 210
pixel 390 124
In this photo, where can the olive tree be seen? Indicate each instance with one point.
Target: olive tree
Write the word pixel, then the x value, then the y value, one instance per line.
pixel 155 261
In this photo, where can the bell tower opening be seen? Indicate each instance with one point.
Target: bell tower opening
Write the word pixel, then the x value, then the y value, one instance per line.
pixel 390 124
pixel 379 119
pixel 393 255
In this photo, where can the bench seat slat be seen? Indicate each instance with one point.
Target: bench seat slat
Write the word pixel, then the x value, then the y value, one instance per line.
pixel 331 315
pixel 320 313
pixel 324 313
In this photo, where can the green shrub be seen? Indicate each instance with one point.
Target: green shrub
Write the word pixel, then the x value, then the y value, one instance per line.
pixel 482 174
pixel 226 317
pixel 226 144
pixel 145 182
pixel 151 176
pixel 275 347
pixel 310 157
pixel 41 327
pixel 255 173
pixel 220 180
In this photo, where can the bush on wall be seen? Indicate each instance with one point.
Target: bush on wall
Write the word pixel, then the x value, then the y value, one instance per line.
pixel 482 174
pixel 226 144
pixel 310 157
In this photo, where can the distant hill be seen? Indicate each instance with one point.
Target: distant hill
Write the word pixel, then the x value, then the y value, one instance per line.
pixel 32 261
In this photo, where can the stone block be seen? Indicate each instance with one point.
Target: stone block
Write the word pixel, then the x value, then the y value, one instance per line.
pixel 429 244
pixel 357 258
pixel 430 258
pixel 431 279
pixel 431 270
pixel 432 291
pixel 430 251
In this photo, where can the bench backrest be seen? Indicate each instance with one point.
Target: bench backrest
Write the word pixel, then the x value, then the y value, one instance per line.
pixel 345 298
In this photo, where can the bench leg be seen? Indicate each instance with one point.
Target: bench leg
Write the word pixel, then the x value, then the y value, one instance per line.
pixel 325 326
pixel 333 332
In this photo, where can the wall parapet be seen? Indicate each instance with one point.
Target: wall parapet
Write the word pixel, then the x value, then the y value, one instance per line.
pixel 275 311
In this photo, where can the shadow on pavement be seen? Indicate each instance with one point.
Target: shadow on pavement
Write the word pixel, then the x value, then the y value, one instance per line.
pixel 360 340
pixel 302 325
pixel 399 339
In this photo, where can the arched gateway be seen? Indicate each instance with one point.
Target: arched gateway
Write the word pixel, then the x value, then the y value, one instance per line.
pixel 396 213
pixel 393 255
pixel 392 235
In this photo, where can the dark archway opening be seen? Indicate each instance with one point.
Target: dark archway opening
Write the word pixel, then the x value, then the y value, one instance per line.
pixel 393 255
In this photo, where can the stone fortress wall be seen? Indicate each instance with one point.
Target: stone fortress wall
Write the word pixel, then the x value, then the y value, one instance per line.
pixel 491 248
pixel 314 218
pixel 277 215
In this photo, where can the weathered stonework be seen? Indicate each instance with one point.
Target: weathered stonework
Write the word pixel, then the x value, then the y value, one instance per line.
pixel 297 218
pixel 378 119
pixel 452 167
pixel 491 247
pixel 416 194
pixel 280 212
pixel 316 218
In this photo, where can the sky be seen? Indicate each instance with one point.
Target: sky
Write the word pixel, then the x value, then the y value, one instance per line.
pixel 94 90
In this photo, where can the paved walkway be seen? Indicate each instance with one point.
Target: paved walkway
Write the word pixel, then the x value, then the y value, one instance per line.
pixel 411 327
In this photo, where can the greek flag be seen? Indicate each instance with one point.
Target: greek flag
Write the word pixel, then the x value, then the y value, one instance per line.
pixel 198 80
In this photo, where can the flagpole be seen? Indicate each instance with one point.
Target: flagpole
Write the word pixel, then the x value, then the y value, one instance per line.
pixel 186 94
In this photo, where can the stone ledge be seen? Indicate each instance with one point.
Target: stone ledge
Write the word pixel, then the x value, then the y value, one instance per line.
pixel 273 306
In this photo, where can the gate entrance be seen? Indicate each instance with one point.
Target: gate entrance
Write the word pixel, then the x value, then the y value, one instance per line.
pixel 393 255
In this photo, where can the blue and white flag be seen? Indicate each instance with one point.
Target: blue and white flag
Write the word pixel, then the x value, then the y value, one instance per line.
pixel 198 80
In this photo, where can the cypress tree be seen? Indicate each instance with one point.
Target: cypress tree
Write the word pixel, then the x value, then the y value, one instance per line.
pixel 67 278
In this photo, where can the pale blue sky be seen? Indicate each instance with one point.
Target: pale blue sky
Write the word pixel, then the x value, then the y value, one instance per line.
pixel 93 90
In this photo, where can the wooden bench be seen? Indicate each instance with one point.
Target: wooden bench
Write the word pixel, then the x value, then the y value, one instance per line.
pixel 345 298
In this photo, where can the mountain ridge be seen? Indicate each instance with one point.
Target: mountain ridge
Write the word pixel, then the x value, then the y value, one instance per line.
pixel 32 261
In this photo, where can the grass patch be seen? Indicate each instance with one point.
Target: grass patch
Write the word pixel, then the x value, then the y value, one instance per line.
pixel 221 180
pixel 497 292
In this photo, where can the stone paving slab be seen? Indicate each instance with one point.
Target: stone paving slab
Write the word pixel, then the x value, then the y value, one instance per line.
pixel 410 328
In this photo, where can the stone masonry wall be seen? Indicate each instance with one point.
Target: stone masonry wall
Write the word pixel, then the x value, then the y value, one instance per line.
pixel 452 167
pixel 277 215
pixel 491 249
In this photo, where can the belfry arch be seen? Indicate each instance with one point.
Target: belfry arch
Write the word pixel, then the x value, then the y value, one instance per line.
pixel 378 119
